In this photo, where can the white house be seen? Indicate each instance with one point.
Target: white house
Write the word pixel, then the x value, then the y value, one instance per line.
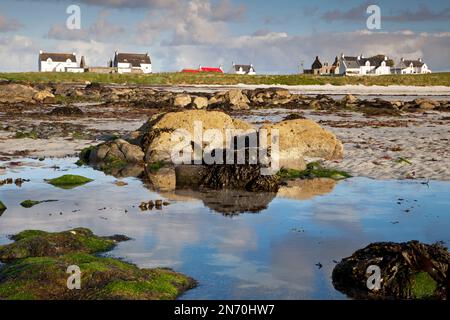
pixel 58 62
pixel 411 67
pixel 243 69
pixel 376 65
pixel 132 63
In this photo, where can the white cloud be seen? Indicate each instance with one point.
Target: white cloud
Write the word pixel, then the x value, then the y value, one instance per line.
pixel 101 30
pixel 18 53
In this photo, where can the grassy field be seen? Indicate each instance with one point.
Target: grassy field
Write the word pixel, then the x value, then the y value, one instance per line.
pixel 435 79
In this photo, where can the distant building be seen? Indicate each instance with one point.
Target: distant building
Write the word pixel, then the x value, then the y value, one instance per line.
pixel 58 62
pixel 411 67
pixel 247 69
pixel 132 63
pixel 204 69
pixel 319 68
pixel 376 65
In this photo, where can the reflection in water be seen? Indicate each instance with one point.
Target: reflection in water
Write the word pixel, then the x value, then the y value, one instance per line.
pixel 231 202
pixel 270 255
pixel 306 189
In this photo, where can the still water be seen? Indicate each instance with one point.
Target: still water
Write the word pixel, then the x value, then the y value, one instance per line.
pixel 281 246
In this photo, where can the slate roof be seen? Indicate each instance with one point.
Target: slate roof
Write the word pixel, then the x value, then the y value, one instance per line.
pixel 415 63
pixel 57 57
pixel 134 59
pixel 316 64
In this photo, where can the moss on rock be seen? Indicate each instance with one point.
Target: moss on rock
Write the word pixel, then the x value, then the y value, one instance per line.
pixel 69 181
pixel 29 203
pixel 38 261
pixel 2 208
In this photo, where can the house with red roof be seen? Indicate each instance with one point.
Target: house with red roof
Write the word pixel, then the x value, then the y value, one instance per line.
pixel 204 69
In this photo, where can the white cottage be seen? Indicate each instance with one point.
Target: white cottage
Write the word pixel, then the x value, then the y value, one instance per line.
pixel 58 62
pixel 132 63
pixel 412 67
pixel 243 69
pixel 376 65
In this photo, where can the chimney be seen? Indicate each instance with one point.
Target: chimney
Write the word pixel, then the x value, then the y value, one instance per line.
pixel 420 59
pixel 41 52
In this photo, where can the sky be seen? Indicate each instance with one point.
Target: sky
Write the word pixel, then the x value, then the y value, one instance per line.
pixel 277 37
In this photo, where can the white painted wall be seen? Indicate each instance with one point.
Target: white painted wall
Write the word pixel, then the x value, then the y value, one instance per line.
pixel 51 66
pixel 127 68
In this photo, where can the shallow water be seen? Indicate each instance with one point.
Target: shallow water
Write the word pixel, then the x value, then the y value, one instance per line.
pixel 271 254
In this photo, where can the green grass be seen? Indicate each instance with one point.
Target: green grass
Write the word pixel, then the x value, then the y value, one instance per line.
pixel 313 170
pixel 69 181
pixel 178 78
pixel 26 135
pixel 424 286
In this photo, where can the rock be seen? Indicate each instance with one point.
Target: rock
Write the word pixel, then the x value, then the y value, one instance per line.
pixel 44 96
pixel 200 103
pixel 237 100
pixel 163 179
pixel 116 151
pixel 426 104
pixel 157 132
pixel 282 93
pixel 182 100
pixel 411 270
pixel 37 265
pixel 68 111
pixel 2 208
pixel 304 138
pixel 69 181
pixel 14 93
pixel 349 99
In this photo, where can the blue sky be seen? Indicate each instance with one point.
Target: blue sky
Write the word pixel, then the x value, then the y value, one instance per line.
pixel 274 36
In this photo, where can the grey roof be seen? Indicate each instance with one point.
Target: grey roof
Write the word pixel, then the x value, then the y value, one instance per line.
pixel 57 57
pixel 415 63
pixel 351 62
pixel 354 62
pixel 316 64
pixel 134 58
pixel 245 67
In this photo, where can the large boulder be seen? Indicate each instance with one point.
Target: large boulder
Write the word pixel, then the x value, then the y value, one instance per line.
pixel 116 150
pixel 14 93
pixel 200 103
pixel 304 138
pixel 237 99
pixel 182 100
pixel 44 96
pixel 157 133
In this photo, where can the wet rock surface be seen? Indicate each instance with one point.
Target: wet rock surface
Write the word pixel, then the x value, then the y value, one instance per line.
pixel 411 270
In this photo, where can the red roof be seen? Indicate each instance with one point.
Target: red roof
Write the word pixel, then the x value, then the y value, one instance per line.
pixel 208 69
pixel 203 69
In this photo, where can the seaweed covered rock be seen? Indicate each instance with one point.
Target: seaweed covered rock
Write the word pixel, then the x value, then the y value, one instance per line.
pixel 38 261
pixel 34 243
pixel 411 270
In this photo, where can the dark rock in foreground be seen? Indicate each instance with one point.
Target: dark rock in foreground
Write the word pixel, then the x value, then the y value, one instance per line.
pixel 408 271
pixel 38 261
